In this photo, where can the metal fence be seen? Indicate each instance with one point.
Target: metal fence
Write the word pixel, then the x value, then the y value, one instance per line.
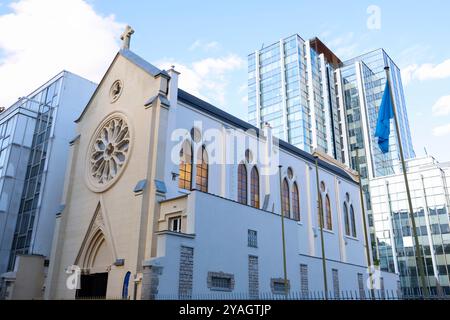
pixel 312 295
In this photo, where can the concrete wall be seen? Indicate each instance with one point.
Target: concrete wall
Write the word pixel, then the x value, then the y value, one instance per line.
pixel 220 245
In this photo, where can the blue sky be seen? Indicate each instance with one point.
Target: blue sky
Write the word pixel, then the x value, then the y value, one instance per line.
pixel 208 41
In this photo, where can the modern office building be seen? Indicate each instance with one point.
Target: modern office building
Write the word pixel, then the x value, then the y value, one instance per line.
pixel 154 209
pixel 294 85
pixel 364 81
pixel 429 184
pixel 35 135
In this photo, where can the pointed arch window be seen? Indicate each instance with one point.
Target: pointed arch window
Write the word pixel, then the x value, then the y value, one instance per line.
pixel 202 170
pixel 295 202
pixel 320 212
pixel 346 220
pixel 328 213
pixel 254 188
pixel 285 204
pixel 242 184
pixel 185 179
pixel 353 221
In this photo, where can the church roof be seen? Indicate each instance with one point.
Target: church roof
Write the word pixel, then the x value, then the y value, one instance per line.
pixel 208 108
pixel 144 65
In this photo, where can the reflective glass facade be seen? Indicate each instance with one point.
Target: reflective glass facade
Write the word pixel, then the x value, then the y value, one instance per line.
pixel 46 102
pixel 16 134
pixel 293 88
pixel 429 182
pixel 364 80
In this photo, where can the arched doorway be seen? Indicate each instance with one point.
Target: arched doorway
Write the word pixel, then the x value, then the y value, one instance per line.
pixel 95 263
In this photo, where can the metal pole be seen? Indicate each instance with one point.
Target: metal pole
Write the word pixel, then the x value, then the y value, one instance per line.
pixel 363 212
pixel 419 259
pixel 283 235
pixel 321 222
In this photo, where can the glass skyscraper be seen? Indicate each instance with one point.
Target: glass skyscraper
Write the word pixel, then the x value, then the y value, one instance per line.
pixel 294 86
pixel 364 81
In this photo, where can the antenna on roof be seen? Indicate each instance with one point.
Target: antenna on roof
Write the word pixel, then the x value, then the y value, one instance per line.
pixel 262 46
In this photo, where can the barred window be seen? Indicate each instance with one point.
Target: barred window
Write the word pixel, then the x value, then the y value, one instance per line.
pixel 221 283
pixel 252 239
pixel 346 220
pixel 295 202
pixel 242 184
pixel 202 170
pixel 285 204
pixel 185 179
pixel 254 188
pixel 328 212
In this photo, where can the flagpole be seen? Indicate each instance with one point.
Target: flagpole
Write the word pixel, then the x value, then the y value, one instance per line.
pixel 419 258
pixel 363 212
pixel 321 223
pixel 283 235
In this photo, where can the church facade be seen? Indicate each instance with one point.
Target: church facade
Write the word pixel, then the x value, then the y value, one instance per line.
pixel 168 196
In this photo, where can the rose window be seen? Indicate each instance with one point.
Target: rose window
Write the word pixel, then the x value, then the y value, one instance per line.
pixel 109 151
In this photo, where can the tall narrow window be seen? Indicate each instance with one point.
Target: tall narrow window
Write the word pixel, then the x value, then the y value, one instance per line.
pixel 285 204
pixel 352 219
pixel 242 184
pixel 185 179
pixel 295 202
pixel 320 212
pixel 328 212
pixel 254 188
pixel 346 220
pixel 202 170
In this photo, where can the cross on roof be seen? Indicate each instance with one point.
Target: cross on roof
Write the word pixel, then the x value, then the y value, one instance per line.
pixel 126 37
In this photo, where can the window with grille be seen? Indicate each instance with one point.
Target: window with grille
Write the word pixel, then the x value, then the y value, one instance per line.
pixel 336 288
pixel 252 238
pixel 279 286
pixel 304 284
pixel 362 291
pixel 221 283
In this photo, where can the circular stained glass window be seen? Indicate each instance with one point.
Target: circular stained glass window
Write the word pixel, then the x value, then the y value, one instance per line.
pixel 108 152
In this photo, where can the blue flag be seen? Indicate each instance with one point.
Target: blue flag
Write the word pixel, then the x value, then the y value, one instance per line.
pixel 385 115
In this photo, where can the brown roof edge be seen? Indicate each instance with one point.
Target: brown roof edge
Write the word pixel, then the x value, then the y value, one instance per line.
pixel 320 48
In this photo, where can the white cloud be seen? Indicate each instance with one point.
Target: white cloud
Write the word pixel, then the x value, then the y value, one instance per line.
pixel 206 46
pixel 442 106
pixel 426 71
pixel 40 38
pixel 441 131
pixel 208 78
pixel 344 46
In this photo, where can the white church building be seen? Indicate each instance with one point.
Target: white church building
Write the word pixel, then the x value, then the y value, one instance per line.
pixel 168 196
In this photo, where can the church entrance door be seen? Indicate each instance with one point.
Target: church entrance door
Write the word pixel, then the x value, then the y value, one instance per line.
pixel 93 286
